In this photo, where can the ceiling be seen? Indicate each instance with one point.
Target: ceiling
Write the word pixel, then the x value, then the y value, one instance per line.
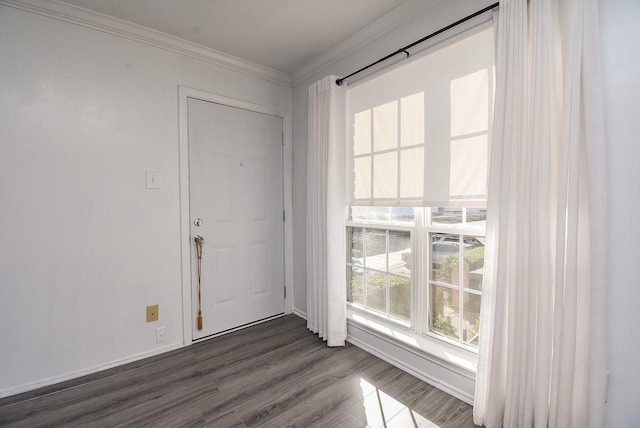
pixel 279 34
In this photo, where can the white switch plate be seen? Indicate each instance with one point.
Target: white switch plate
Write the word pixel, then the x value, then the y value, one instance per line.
pixel 153 179
pixel 161 334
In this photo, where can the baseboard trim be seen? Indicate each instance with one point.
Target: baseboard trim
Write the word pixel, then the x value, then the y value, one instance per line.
pixel 396 358
pixel 299 313
pixel 87 371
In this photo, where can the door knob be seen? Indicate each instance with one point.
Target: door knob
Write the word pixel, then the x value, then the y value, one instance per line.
pixel 198 222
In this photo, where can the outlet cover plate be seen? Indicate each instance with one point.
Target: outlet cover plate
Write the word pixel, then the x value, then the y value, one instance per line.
pixel 152 313
pixel 161 334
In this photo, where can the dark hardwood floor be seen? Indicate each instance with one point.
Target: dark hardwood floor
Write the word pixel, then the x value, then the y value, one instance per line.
pixel 276 374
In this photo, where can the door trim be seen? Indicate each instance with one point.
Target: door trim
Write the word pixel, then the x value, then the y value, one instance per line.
pixel 184 93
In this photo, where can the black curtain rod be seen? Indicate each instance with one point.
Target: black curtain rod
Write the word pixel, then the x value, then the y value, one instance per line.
pixel 417 42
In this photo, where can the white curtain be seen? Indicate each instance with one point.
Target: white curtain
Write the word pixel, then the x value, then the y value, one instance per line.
pixel 326 280
pixel 541 359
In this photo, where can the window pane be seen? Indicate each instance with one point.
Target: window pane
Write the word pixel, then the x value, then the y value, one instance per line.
pixel 377 291
pixel 445 254
pixel 378 214
pixel 477 216
pixel 471 323
pixel 402 214
pixel 473 262
pixel 376 249
pixel 399 252
pixel 444 311
pixel 356 254
pixel 358 213
pixel 356 285
pixel 400 297
pixel 446 215
pixel 379 264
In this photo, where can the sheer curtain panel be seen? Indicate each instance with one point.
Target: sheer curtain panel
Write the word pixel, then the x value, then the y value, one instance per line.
pixel 541 359
pixel 326 280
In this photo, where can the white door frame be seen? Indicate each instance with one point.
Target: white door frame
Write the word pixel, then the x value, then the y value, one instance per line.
pixel 184 93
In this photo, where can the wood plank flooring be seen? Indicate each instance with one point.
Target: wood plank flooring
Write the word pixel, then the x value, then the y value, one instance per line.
pixel 276 374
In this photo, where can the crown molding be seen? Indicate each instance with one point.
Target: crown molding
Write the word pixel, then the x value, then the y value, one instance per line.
pixel 376 29
pixel 118 27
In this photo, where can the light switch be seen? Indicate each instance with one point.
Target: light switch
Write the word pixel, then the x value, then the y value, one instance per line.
pixel 153 179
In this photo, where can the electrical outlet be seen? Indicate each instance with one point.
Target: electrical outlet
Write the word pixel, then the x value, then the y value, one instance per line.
pixel 161 334
pixel 152 313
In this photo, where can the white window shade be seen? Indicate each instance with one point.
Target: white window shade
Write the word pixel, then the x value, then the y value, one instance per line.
pixel 420 133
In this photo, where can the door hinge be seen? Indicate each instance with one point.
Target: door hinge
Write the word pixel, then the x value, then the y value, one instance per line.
pixel 285 292
pixel 284 217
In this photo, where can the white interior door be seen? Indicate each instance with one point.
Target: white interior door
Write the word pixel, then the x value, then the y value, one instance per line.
pixel 236 205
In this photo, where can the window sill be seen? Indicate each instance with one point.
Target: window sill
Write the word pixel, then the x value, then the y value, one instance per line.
pixel 449 356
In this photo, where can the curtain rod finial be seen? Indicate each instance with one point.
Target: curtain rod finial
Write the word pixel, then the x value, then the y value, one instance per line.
pixel 339 82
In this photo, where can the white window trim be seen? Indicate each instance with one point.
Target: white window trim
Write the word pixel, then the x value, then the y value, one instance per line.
pixel 452 357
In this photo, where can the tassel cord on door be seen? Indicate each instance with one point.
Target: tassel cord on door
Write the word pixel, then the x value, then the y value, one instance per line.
pixel 199 241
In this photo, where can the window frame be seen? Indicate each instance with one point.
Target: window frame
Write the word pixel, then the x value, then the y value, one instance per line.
pixel 420 231
pixel 389 226
pixel 461 230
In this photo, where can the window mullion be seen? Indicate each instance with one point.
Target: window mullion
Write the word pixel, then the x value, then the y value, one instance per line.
pixel 372 151
pixel 398 138
pixel 365 273
pixel 388 284
pixel 461 286
pixel 419 293
pixel 427 242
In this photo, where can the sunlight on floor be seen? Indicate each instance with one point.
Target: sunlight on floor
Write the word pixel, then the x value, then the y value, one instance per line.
pixel 382 410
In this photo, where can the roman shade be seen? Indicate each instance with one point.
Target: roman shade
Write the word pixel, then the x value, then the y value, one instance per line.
pixel 420 133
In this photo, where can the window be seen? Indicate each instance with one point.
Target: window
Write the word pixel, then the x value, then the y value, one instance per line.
pixel 379 262
pixel 418 166
pixel 386 266
pixel 455 288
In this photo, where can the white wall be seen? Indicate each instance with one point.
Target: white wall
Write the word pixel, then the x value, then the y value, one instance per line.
pixel 620 35
pixel 84 247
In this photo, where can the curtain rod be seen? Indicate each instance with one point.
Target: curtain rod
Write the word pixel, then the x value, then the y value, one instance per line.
pixel 409 46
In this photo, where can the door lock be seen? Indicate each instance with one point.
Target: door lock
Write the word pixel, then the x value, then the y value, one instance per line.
pixel 198 222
